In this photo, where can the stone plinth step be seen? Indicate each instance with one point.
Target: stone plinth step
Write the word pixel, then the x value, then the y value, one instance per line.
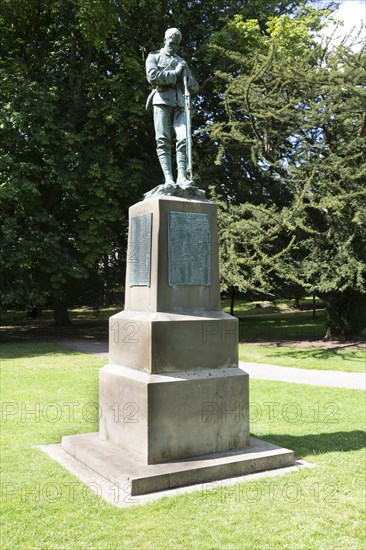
pixel 116 465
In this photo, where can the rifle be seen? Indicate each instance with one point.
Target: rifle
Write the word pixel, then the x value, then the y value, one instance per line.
pixel 187 105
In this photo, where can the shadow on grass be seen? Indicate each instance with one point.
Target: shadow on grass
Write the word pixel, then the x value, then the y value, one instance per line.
pixel 315 444
pixel 31 349
pixel 282 327
pixel 42 332
pixel 324 354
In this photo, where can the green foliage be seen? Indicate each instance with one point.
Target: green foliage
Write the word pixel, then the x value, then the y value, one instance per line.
pixel 297 107
pixel 97 19
pixel 294 36
pixel 77 146
pixel 237 35
pixel 248 264
pixel 71 162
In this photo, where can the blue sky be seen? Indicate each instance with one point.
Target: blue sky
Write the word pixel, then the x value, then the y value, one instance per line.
pixel 351 12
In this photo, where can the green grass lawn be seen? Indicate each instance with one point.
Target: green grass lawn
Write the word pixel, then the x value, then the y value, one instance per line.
pixel 305 358
pixel 315 508
pixel 245 308
pixel 291 326
pixel 77 315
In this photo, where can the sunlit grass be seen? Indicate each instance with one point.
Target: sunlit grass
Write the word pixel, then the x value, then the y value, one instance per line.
pixel 244 308
pixel 306 358
pixel 317 508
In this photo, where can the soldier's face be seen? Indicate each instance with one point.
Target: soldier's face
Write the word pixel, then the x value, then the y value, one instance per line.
pixel 172 43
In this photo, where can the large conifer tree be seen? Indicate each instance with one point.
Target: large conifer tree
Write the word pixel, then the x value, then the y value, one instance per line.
pixel 297 110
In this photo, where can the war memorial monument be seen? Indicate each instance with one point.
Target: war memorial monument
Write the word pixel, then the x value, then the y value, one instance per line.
pixel 174 404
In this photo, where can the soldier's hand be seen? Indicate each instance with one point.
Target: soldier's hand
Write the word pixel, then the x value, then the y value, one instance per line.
pixel 180 67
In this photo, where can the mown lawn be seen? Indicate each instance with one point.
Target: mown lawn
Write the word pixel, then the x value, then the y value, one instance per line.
pixel 315 508
pixel 244 307
pixel 286 326
pixel 305 358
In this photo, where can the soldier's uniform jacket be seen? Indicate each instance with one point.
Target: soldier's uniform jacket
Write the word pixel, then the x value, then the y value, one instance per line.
pixel 168 87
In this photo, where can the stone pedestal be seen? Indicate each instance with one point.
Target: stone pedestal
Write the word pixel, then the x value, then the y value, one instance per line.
pixel 172 391
pixel 172 350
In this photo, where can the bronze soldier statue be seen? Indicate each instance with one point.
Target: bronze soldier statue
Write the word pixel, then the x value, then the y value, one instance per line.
pixel 168 73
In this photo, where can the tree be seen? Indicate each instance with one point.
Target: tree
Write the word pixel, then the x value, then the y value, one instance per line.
pixel 298 106
pixel 77 146
pixel 67 146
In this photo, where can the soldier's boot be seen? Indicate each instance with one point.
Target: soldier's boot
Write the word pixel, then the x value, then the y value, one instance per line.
pixel 166 166
pixel 181 165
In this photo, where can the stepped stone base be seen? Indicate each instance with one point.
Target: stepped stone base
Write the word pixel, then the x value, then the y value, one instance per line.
pixel 174 406
pixel 118 466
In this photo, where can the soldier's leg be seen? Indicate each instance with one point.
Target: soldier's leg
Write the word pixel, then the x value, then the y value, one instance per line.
pixel 181 146
pixel 163 136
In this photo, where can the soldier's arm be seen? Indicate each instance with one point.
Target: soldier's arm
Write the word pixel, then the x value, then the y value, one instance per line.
pixel 159 76
pixel 192 83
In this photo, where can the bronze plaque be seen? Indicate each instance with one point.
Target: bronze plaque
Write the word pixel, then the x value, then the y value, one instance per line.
pixel 188 249
pixel 139 250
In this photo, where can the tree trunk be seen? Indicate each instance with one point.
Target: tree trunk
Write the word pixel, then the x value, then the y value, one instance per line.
pixel 107 284
pixel 232 300
pixel 61 314
pixel 346 314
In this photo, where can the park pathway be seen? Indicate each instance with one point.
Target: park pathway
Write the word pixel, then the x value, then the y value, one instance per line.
pixel 330 378
pixel 260 371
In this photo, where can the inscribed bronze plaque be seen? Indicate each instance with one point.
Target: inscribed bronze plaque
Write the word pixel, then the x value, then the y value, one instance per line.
pixel 188 249
pixel 139 250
